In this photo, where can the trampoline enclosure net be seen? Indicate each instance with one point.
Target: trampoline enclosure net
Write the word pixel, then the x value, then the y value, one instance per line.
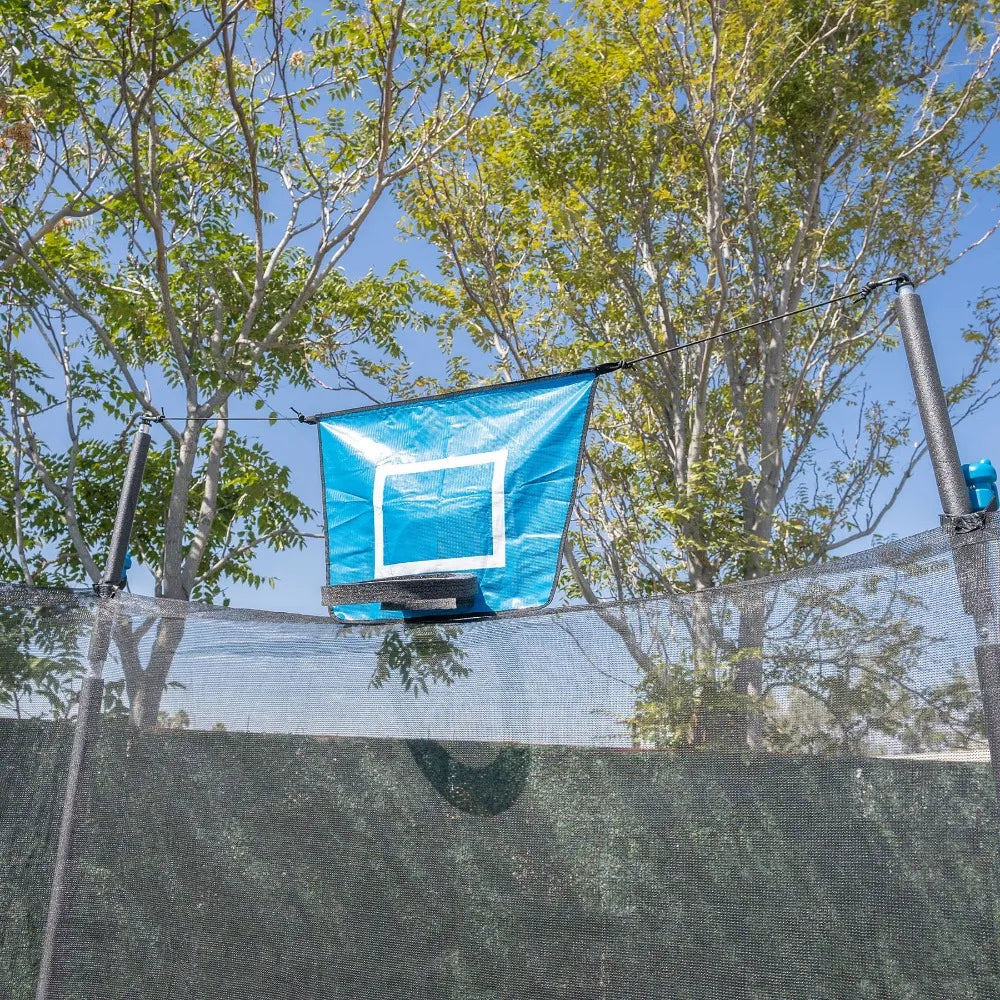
pixel 781 790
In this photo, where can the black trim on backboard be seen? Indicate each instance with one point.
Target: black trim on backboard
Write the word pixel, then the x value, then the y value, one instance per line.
pixel 594 370
pixel 429 592
pixel 326 520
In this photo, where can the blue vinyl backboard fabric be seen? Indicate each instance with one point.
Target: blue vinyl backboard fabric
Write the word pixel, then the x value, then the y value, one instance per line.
pixel 479 481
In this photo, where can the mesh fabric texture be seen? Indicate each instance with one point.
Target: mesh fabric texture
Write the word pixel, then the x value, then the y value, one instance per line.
pixel 780 790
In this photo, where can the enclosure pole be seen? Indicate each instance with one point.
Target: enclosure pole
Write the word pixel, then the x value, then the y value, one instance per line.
pixel 931 401
pixel 975 583
pixel 125 518
pixel 89 706
pixel 988 671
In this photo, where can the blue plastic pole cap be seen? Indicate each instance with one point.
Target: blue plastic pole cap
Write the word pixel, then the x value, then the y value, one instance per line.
pixel 981 479
pixel 126 566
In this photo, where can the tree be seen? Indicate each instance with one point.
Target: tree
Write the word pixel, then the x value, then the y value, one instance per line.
pixel 180 185
pixel 675 170
pixel 38 659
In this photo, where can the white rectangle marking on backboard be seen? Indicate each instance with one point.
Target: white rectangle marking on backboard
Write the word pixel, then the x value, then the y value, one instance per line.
pixel 497 558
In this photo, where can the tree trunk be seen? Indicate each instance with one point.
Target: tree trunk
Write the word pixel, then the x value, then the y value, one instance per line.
pixel 748 680
pixel 145 686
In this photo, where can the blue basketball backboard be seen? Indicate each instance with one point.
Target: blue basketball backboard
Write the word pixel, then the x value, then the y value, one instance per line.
pixel 477 482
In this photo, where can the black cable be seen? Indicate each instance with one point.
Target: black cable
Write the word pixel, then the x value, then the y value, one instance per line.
pixel 611 366
pixel 628 363
pixel 215 416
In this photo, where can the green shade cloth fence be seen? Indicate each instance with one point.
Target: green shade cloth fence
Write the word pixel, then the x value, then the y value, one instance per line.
pixel 774 791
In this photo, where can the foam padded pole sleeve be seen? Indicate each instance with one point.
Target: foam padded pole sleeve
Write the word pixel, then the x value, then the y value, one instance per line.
pixel 932 404
pixel 88 713
pixel 126 509
pixel 988 669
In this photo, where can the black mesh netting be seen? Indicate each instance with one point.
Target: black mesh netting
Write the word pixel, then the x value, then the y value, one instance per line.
pixel 775 791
